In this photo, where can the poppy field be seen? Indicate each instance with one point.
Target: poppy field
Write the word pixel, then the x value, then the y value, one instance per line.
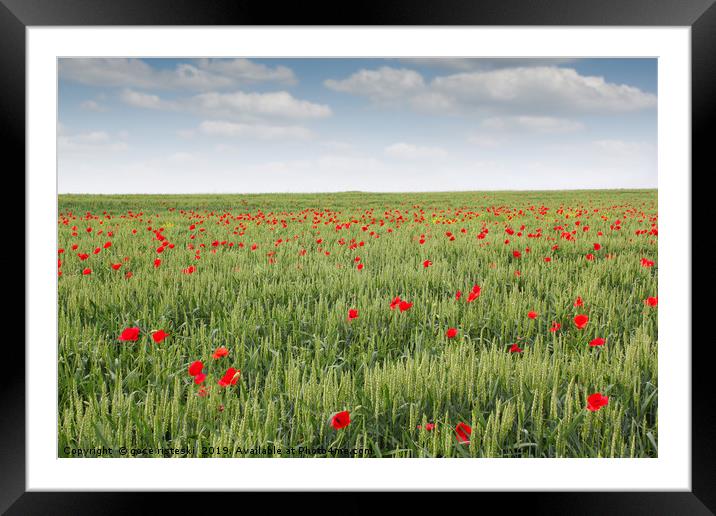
pixel 463 324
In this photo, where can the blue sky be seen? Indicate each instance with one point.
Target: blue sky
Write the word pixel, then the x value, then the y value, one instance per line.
pixel 320 125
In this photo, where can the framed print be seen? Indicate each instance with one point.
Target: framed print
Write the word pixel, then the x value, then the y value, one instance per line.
pixel 416 250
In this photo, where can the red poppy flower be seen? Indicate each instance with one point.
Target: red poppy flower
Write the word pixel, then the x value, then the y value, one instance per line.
pixel 220 352
pixel 463 431
pixel 352 314
pixel 451 333
pixel 580 321
pixel 395 302
pixel 359 267
pixel 474 293
pixel 157 263
pixel 199 378
pixel 87 271
pixel 231 376
pixel 555 326
pixel 515 349
pixel 646 263
pixel 195 367
pixel 427 263
pixel 590 257
pixel 341 420
pixel 517 254
pixel 458 294
pixel 597 342
pixel 130 334
pixel 578 301
pixel 652 301
pixel 404 305
pixel 116 266
pixel 597 401
pixel 159 336
pixel 532 315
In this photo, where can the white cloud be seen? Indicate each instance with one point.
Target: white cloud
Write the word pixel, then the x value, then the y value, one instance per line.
pixel 92 137
pixel 432 102
pixel 527 90
pixel 385 83
pixel 144 100
pixel 108 72
pixel 537 89
pixel 535 124
pixel 274 104
pixel 92 142
pixel 202 75
pixel 409 151
pixel 92 105
pixel 263 132
pixel 464 64
pixel 247 106
pixel 247 71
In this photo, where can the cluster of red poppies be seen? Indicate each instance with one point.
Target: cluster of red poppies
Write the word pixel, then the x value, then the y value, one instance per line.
pixel 132 333
pixel 594 402
pixel 196 371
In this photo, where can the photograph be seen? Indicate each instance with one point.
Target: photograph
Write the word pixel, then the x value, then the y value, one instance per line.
pixel 357 257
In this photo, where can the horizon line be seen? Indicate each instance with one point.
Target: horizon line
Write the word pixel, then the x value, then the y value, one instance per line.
pixel 366 192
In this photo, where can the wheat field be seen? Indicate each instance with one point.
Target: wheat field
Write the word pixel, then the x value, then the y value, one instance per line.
pixel 343 331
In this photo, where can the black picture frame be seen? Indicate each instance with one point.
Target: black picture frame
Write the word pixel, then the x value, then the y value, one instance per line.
pixel 17 15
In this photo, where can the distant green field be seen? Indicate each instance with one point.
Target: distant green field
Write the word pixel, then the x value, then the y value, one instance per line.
pixel 273 278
